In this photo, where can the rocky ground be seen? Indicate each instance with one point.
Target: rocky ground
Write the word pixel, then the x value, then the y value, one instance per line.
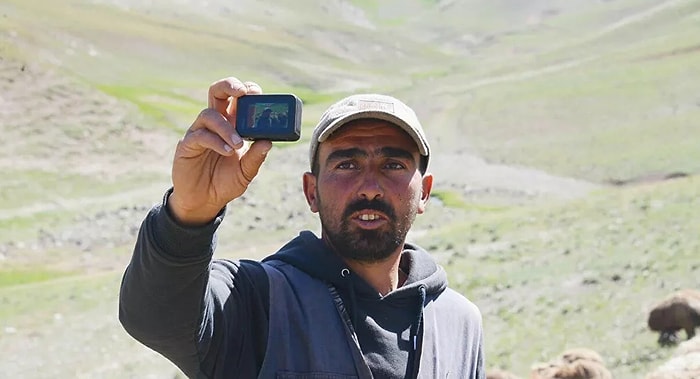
pixel 60 126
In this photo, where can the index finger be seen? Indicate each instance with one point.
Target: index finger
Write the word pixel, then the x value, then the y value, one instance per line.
pixel 221 93
pixel 253 88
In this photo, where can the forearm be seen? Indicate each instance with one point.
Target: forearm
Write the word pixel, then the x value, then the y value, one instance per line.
pixel 163 289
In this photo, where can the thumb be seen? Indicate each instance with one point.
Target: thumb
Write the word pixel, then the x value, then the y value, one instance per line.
pixel 254 158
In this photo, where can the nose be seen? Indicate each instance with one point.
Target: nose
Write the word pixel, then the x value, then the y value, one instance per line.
pixel 370 188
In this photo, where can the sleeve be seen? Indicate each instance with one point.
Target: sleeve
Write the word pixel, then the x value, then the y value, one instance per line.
pixel 480 365
pixel 194 310
pixel 480 369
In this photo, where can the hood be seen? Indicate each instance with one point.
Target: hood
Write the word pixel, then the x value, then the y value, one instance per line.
pixel 310 254
pixel 425 281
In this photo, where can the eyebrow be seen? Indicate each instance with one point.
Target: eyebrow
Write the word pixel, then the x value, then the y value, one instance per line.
pixel 391 152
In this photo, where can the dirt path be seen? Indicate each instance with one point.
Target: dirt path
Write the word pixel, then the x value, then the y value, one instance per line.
pixel 563 66
pixel 40 97
pixel 635 18
pixel 76 114
pixel 93 133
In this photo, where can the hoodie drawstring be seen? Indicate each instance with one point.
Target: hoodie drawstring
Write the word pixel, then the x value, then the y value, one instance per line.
pixel 415 330
pixel 419 318
pixel 414 356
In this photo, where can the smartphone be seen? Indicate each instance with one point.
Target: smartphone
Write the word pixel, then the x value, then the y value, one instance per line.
pixel 274 117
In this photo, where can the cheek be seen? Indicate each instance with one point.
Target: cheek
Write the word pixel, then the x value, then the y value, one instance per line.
pixel 414 197
pixel 337 187
pixel 415 190
pixel 407 197
pixel 331 195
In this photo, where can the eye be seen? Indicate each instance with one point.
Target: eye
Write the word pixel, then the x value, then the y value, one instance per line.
pixel 346 165
pixel 394 166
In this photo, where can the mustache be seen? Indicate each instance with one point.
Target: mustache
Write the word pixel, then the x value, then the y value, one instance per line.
pixel 377 205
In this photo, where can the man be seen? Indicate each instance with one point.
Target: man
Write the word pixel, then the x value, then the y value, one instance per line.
pixel 359 302
pixel 265 120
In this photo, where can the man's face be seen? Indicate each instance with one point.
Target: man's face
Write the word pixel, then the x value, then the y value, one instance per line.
pixel 368 189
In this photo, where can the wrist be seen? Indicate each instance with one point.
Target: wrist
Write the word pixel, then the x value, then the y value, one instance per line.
pixel 189 216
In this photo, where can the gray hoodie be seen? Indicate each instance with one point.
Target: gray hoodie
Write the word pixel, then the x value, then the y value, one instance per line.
pixel 301 313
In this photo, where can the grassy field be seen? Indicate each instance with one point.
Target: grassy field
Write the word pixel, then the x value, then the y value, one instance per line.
pixel 582 273
pixel 532 109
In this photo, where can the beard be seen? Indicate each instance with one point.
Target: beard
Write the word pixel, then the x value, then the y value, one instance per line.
pixel 363 245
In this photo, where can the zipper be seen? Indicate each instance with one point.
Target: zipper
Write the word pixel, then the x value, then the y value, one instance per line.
pixel 363 370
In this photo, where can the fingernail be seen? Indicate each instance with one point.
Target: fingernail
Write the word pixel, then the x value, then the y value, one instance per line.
pixel 236 139
pixel 227 148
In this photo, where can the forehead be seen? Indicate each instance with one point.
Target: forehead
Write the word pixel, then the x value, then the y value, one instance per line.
pixel 365 132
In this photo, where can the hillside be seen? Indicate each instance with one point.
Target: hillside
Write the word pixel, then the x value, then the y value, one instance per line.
pixel 533 108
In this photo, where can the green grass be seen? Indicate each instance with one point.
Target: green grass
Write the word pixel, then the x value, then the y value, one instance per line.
pixel 67 294
pixel 452 199
pixel 583 117
pixel 15 192
pixel 81 312
pixel 161 106
pixel 19 276
pixel 576 120
pixel 580 273
pixel 32 201
pixel 28 227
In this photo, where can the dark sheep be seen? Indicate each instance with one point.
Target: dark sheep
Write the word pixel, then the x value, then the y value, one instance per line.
pixel 680 310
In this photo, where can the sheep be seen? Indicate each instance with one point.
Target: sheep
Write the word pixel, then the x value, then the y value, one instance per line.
pixel 582 369
pixel 543 370
pixel 581 353
pixel 680 310
pixel 577 363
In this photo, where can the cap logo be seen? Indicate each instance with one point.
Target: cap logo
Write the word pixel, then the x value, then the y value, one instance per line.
pixel 371 105
pixel 359 105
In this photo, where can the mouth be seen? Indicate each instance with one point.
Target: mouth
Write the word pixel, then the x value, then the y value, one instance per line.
pixel 369 219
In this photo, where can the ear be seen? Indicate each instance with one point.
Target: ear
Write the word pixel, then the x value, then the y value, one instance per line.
pixel 427 186
pixel 309 183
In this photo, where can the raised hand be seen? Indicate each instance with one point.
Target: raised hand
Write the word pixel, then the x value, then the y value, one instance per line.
pixel 212 164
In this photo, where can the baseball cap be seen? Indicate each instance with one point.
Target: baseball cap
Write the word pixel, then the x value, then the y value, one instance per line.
pixel 373 106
